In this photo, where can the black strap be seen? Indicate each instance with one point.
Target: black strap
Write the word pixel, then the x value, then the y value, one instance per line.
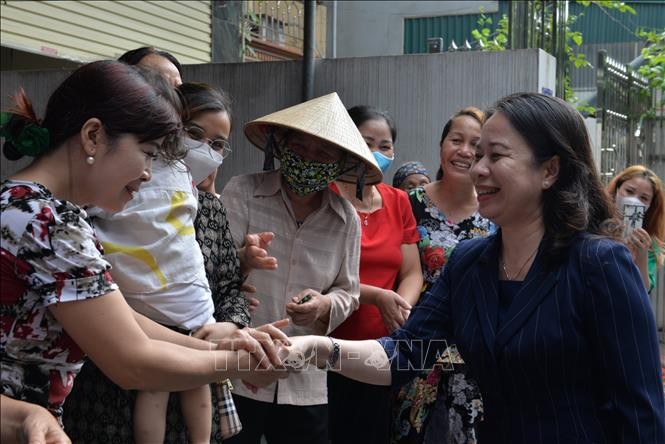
pixel 360 180
pixel 269 151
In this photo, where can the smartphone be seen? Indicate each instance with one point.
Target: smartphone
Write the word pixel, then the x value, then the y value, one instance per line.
pixel 633 217
pixel 305 298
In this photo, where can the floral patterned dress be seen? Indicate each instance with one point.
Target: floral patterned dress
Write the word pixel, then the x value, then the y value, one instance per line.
pixel 49 254
pixel 459 397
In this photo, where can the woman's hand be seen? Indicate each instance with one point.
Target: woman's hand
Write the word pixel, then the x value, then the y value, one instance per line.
pixel 639 242
pixel 23 422
pixel 394 310
pixel 305 350
pixel 40 427
pixel 216 332
pixel 253 302
pixel 263 342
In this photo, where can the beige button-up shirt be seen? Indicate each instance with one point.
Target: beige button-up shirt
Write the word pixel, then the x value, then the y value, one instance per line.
pixel 322 254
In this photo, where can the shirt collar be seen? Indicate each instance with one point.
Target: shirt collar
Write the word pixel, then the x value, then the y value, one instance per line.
pixel 335 202
pixel 272 184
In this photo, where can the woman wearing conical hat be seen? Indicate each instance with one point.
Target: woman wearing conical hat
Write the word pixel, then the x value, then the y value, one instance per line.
pixel 310 237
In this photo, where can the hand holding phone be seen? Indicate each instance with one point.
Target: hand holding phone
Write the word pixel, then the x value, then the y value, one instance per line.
pixel 633 215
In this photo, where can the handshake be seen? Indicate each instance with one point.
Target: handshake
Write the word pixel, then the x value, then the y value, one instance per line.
pixel 266 354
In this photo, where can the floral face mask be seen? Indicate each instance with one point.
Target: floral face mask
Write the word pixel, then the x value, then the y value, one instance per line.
pixel 306 176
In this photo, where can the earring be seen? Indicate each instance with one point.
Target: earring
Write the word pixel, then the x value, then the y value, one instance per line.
pixel 89 160
pixel 546 184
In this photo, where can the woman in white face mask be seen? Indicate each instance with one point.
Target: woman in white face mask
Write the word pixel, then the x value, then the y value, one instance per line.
pixel 638 185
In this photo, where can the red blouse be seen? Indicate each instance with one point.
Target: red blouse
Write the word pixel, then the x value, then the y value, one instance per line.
pixel 380 258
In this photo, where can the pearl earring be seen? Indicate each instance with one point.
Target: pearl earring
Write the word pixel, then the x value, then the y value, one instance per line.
pixel 89 160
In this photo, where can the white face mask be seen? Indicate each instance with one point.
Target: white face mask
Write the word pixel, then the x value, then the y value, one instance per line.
pixel 201 159
pixel 627 200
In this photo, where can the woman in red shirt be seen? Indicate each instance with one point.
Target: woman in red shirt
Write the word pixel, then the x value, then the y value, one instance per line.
pixel 390 283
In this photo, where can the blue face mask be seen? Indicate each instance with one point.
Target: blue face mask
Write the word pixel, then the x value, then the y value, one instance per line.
pixel 383 161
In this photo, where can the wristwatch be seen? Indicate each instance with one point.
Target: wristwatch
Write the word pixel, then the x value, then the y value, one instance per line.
pixel 334 354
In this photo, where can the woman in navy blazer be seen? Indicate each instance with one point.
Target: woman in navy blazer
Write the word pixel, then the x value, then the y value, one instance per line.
pixel 550 313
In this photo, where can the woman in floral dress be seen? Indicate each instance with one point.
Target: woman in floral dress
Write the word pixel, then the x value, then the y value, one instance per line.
pixel 59 302
pixel 444 402
pixel 206 119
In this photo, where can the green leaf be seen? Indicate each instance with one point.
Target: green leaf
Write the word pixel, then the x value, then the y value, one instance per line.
pixel 581 63
pixel 626 8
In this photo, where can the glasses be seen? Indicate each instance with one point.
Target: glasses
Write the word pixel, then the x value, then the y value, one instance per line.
pixel 222 146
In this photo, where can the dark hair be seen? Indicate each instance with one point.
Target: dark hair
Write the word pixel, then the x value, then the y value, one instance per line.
pixel 162 86
pixel 362 113
pixel 470 111
pixel 199 98
pixel 134 56
pixel 576 202
pixel 115 93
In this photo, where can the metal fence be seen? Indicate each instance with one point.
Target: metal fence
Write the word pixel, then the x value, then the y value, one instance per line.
pixel 623 98
pixel 630 136
pixel 277 30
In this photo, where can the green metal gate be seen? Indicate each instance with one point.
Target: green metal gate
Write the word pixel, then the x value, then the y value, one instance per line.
pixel 623 98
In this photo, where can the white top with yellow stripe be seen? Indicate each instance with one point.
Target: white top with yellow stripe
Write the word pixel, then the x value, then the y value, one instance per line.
pixel 152 247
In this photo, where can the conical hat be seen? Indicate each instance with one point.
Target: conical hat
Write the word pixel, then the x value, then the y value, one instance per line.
pixel 324 118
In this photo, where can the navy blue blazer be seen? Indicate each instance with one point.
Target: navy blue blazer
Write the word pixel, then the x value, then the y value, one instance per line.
pixel 576 359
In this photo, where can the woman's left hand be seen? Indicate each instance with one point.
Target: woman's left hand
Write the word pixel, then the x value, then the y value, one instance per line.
pixel 393 308
pixel 24 422
pixel 41 427
pixel 216 332
pixel 639 242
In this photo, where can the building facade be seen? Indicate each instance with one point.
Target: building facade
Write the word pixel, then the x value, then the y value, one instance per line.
pixel 64 33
